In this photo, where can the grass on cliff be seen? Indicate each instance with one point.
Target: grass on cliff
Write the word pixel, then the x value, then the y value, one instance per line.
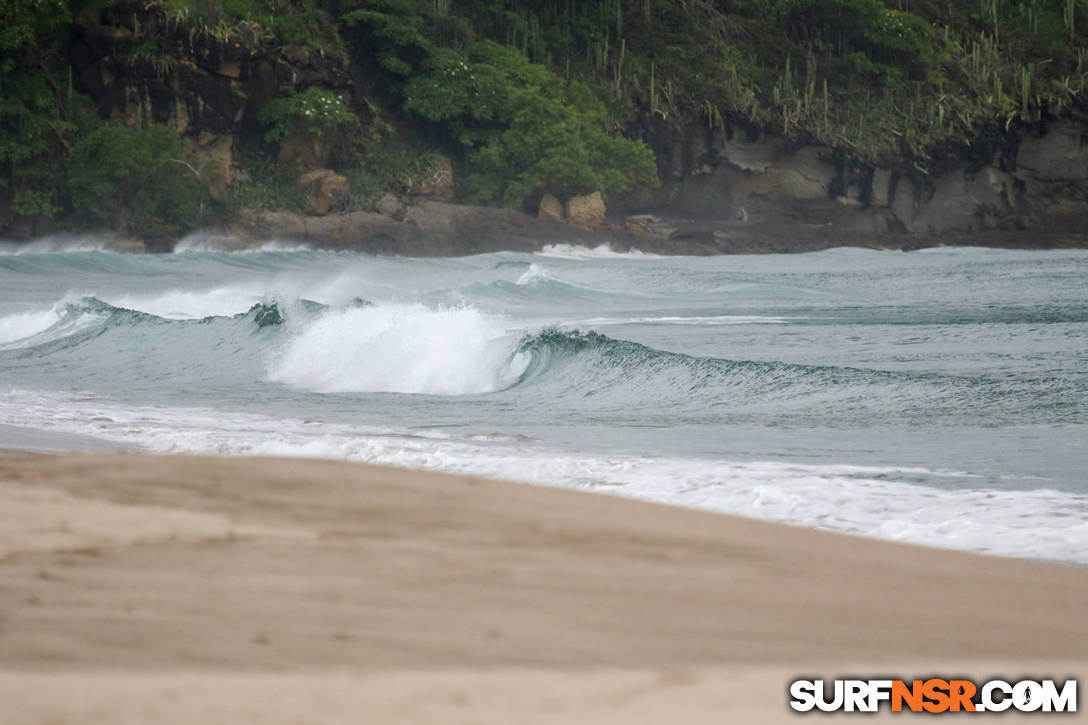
pixel 554 95
pixel 873 79
pixel 300 22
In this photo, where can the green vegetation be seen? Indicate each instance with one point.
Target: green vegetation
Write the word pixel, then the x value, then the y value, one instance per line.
pixel 401 168
pixel 523 128
pixel 528 97
pixel 314 112
pixel 519 128
pixel 138 181
pixel 366 188
pixel 301 23
pixel 872 78
pixel 34 114
pixel 264 186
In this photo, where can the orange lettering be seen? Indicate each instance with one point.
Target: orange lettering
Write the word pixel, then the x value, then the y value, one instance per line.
pixel 911 695
pixel 936 692
pixel 961 692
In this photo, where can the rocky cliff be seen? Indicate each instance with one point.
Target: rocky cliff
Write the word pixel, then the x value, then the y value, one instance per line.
pixel 737 187
pixel 728 183
pixel 141 64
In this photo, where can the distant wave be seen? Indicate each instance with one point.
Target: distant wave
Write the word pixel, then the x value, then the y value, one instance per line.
pixel 60 243
pixel 212 241
pixel 603 251
pixel 695 320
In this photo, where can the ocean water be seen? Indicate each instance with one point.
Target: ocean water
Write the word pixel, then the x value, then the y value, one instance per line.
pixel 937 397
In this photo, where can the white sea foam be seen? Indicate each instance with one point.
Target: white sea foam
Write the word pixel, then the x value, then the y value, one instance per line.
pixel 212 241
pixel 400 349
pixel 534 275
pixel 603 251
pixel 207 240
pixel 698 320
pixel 876 501
pixel 22 325
pixel 192 304
pixel 57 244
pixel 280 245
pixel 34 327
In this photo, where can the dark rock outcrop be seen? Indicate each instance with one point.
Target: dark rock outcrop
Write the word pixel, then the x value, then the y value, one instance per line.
pixel 744 183
pixel 140 63
pixel 428 228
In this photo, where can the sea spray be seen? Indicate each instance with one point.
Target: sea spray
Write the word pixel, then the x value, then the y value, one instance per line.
pixel 602 251
pixel 400 349
pixel 58 243
pixel 22 325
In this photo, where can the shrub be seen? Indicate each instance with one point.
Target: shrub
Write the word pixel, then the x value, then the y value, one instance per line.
pixel 263 186
pixel 138 181
pixel 397 26
pixel 891 38
pixel 366 188
pixel 403 167
pixel 524 128
pixel 294 21
pixel 32 128
pixel 321 112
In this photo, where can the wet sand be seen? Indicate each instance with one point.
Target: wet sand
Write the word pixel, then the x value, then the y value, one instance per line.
pixel 150 589
pixel 20 439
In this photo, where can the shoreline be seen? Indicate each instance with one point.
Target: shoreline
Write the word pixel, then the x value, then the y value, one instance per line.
pixel 15 439
pixel 458 230
pixel 125 572
pixel 29 440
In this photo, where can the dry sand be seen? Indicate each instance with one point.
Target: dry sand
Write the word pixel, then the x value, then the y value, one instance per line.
pixel 139 589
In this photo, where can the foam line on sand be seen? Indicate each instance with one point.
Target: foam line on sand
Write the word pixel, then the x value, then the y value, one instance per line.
pixel 184 589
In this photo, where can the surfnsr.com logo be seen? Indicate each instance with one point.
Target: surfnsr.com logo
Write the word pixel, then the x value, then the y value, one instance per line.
pixel 934 695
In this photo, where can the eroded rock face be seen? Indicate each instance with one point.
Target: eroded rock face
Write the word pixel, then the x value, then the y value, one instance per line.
pixel 302 150
pixel 324 190
pixel 143 64
pixel 216 155
pixel 1052 171
pixel 550 208
pixel 1058 157
pixel 586 211
pixel 428 228
pixel 749 179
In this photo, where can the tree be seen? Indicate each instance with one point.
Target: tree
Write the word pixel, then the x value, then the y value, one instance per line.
pixel 31 124
pixel 525 129
pixel 136 180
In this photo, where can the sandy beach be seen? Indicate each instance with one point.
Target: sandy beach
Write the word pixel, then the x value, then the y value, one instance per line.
pixel 141 589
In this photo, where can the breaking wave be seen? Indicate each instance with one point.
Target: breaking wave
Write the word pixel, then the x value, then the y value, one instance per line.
pixel 910 397
pixel 412 348
pixel 400 349
pixel 603 251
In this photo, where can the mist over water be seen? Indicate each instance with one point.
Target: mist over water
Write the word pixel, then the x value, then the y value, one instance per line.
pixel 939 397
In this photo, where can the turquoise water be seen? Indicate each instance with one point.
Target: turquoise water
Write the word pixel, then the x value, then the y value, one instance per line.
pixel 939 397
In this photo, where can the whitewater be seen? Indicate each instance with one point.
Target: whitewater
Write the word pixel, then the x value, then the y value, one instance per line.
pixel 936 397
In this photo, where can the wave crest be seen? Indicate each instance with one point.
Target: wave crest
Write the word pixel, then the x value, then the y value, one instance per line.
pixel 407 348
pixel 580 252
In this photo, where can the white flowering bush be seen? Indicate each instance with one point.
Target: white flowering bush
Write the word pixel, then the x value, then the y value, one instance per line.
pixel 321 110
